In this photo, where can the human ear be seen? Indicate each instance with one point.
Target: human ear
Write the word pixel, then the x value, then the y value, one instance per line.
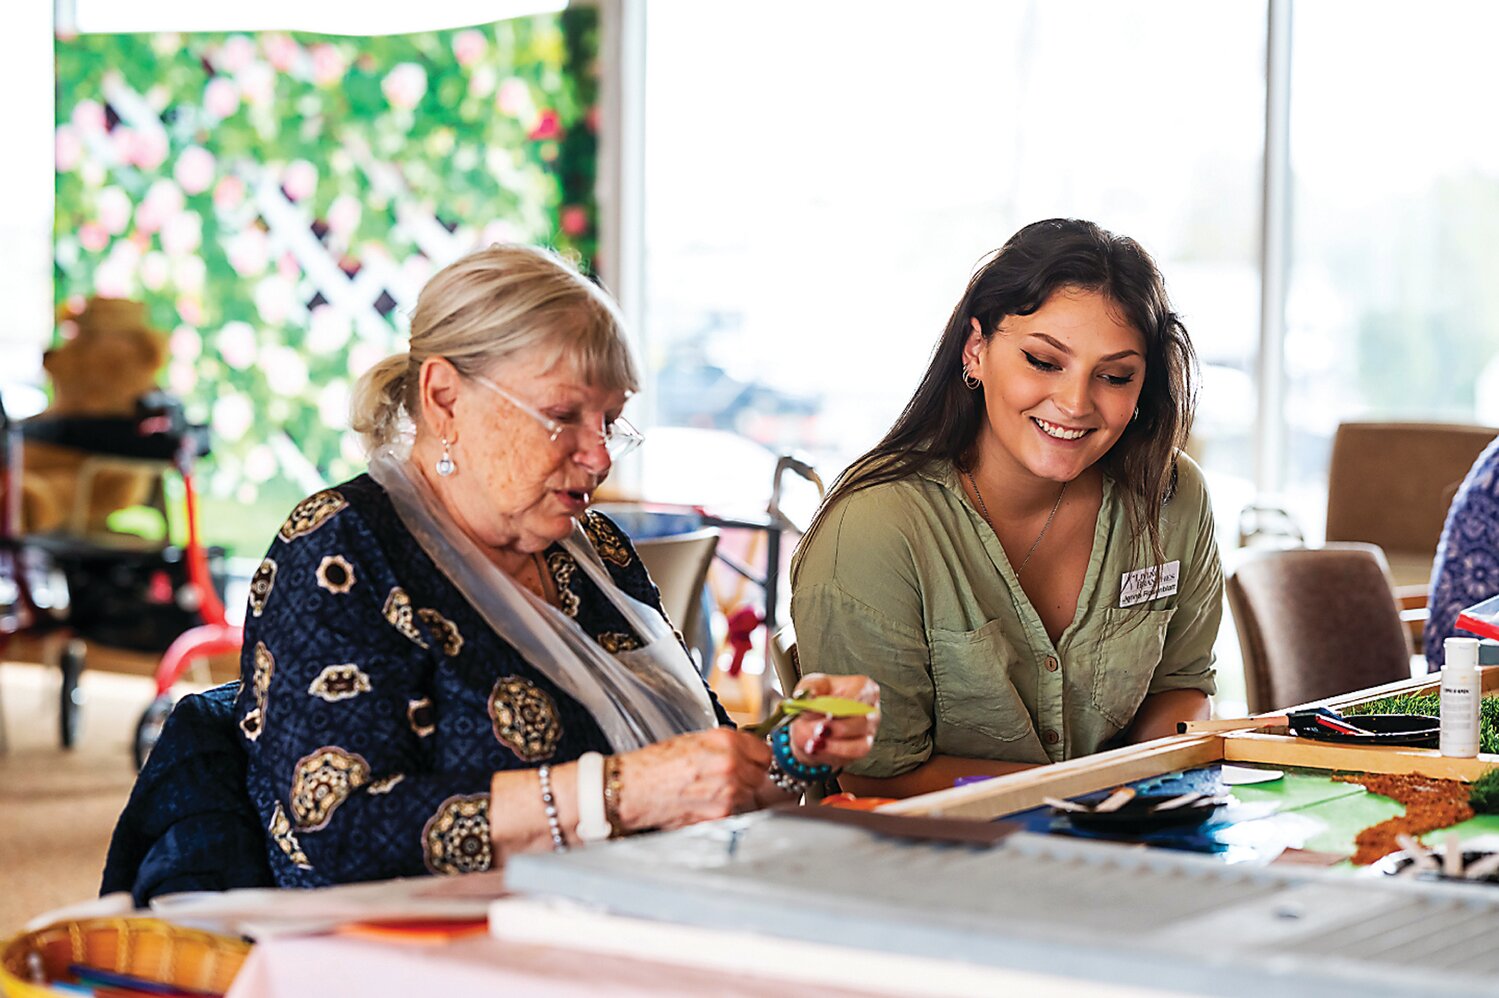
pixel 438 382
pixel 973 347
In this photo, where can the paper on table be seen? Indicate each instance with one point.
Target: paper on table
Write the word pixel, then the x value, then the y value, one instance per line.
pixel 264 912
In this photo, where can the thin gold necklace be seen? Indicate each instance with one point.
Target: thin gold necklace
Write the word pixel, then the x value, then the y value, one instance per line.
pixel 1044 527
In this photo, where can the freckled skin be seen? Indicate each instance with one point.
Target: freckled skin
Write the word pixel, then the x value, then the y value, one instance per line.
pixel 504 493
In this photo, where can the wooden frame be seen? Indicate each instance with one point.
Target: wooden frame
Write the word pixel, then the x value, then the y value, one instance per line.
pixel 1024 790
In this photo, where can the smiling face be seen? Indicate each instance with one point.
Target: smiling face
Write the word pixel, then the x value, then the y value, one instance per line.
pixel 516 490
pixel 1060 385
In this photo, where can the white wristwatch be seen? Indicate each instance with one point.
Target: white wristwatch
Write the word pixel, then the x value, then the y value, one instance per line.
pixel 593 824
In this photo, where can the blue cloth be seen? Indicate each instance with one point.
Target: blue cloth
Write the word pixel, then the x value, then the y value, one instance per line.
pixel 377 704
pixel 188 825
pixel 1466 569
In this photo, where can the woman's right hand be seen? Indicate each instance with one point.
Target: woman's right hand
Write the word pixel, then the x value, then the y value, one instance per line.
pixel 690 778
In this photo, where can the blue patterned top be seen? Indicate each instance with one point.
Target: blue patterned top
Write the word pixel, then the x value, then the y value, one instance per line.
pixel 1466 569
pixel 376 702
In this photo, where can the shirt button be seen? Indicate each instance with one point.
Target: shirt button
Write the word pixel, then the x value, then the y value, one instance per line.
pixel 1051 737
pixel 1051 663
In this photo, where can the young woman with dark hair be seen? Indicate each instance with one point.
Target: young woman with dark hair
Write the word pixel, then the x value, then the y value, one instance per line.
pixel 1026 561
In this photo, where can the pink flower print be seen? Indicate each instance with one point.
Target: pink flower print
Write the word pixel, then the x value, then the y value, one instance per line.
pixel 93 237
pixel 190 310
pixel 114 210
pixel 162 202
pixel 194 170
pixel 344 214
pixel 67 149
pixel 249 252
pixel 149 149
pixel 299 179
pixel 328 65
pixel 257 84
pixel 280 51
pixel 182 235
pixel 405 85
pixel 154 271
pixel 88 117
pixel 221 97
pixel 228 193
pixel 548 126
pixel 514 98
pixel 574 220
pixel 469 47
pixel 235 54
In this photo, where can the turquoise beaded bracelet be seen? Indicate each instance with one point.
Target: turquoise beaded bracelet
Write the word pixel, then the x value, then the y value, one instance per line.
pixel 780 750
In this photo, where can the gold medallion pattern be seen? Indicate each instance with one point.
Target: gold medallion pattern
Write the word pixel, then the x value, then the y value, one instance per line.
pixel 525 718
pixel 340 682
pixel 606 539
pixel 311 513
pixel 322 781
pixel 443 629
pixel 563 568
pixel 456 838
pixel 419 713
pixel 283 836
pixel 335 574
pixel 615 642
pixel 260 586
pixel 250 724
pixel 265 665
pixel 385 784
pixel 399 613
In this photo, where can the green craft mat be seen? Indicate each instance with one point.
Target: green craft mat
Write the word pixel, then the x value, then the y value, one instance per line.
pixel 1296 791
pixel 1344 810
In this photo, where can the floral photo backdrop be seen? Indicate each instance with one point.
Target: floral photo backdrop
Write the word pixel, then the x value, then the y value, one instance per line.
pixel 279 199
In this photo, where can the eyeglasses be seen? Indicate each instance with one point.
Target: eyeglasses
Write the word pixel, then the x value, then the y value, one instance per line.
pixel 619 436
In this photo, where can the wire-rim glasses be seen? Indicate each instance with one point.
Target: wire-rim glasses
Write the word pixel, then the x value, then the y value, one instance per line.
pixel 619 436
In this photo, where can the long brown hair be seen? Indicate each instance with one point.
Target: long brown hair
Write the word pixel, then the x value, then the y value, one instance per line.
pixel 941 422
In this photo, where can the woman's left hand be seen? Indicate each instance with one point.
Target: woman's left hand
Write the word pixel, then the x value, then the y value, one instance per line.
pixel 819 740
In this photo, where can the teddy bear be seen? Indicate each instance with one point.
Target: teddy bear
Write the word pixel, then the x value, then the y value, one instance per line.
pixel 112 360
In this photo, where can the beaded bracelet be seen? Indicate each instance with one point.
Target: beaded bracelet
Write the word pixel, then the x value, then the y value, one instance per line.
pixel 549 804
pixel 787 762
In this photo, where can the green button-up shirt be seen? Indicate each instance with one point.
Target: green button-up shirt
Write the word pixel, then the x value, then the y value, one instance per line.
pixel 906 582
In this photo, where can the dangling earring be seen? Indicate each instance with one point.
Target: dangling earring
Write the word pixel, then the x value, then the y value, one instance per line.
pixel 445 465
pixel 969 381
pixel 1136 415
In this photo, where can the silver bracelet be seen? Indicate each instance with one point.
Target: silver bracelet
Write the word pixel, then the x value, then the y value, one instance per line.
pixel 786 781
pixel 549 804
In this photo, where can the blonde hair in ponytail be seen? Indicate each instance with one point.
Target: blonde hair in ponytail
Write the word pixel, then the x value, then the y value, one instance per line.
pixel 488 306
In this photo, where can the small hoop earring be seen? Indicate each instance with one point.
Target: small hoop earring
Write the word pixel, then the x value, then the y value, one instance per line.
pixel 445 465
pixel 969 381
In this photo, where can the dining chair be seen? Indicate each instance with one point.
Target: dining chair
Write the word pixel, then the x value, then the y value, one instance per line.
pixel 1391 483
pixel 1316 622
pixel 783 657
pixel 678 564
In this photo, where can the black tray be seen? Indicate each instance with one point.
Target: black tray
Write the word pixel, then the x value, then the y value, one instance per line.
pixel 1384 729
pixel 1140 815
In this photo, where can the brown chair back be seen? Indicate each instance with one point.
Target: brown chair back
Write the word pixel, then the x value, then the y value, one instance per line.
pixel 1390 484
pixel 1315 623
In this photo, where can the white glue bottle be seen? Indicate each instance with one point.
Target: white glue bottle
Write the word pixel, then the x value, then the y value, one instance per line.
pixel 1460 697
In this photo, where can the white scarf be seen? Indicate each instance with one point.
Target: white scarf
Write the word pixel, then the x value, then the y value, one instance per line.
pixel 637 697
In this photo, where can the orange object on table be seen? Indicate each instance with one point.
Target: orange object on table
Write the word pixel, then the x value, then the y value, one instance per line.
pixel 850 802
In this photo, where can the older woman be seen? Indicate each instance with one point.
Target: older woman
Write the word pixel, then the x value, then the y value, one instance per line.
pixel 1026 562
pixel 451 657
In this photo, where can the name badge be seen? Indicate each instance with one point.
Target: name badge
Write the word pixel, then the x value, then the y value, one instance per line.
pixel 1149 583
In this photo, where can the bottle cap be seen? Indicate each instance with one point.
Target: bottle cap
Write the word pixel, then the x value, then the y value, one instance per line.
pixel 1461 653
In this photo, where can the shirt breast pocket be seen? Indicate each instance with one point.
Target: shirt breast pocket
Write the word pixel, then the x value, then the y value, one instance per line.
pixel 1128 652
pixel 975 697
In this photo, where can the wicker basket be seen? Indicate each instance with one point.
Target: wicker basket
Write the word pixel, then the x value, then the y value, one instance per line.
pixel 147 948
